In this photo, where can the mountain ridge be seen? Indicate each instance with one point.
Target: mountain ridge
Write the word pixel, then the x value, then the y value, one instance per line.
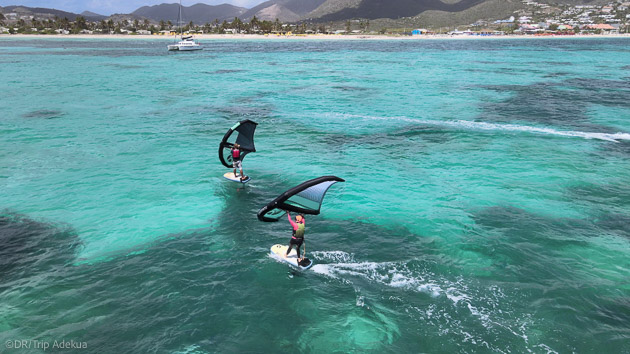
pixel 384 13
pixel 198 13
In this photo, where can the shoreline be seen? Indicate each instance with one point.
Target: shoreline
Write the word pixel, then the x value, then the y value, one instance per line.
pixel 309 37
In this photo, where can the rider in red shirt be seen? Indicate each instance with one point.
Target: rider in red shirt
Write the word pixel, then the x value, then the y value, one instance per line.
pixel 236 161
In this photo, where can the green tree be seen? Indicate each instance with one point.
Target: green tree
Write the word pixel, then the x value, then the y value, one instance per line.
pixel 254 24
pixel 238 24
pixel 207 28
pixel 348 26
pixel 80 23
pixel 162 25
pixel 215 25
pixel 188 27
pixel 225 25
pixel 21 24
pixel 266 26
pixel 64 23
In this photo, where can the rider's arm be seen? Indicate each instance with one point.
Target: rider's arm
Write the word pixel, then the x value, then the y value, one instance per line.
pixel 295 226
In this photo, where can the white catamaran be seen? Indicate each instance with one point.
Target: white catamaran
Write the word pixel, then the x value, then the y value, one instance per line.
pixel 186 43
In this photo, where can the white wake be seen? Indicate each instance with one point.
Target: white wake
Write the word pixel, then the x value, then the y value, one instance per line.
pixel 485 126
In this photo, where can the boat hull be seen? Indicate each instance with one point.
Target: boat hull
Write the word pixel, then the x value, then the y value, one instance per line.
pixel 184 47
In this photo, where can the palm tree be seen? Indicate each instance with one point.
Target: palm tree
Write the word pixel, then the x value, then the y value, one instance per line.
pixel 254 23
pixel 238 24
pixel 80 23
pixel 266 26
pixel 223 27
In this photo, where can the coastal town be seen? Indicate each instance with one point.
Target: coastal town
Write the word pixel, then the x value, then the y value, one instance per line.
pixel 544 19
pixel 534 18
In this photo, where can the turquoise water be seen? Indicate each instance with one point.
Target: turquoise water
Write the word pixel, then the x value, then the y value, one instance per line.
pixel 486 206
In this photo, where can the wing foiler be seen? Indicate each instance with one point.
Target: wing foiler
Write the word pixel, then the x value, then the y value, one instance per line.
pixel 244 130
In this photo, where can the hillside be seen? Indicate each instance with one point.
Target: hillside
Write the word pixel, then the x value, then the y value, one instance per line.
pixel 429 13
pixel 45 12
pixel 284 10
pixel 333 6
pixel 198 13
pixel 492 9
pixel 92 15
pixel 381 13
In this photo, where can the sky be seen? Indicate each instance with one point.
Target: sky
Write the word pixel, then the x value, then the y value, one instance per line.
pixel 108 7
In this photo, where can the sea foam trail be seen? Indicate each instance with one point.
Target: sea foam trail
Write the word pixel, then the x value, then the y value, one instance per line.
pixel 391 274
pixel 399 275
pixel 473 125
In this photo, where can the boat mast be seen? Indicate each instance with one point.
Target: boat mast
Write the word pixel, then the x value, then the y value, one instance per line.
pixel 179 20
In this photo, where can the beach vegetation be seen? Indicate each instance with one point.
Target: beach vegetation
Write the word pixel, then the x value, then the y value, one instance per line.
pixel 533 19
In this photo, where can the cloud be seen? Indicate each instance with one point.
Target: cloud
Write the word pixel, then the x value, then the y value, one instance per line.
pixel 108 7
